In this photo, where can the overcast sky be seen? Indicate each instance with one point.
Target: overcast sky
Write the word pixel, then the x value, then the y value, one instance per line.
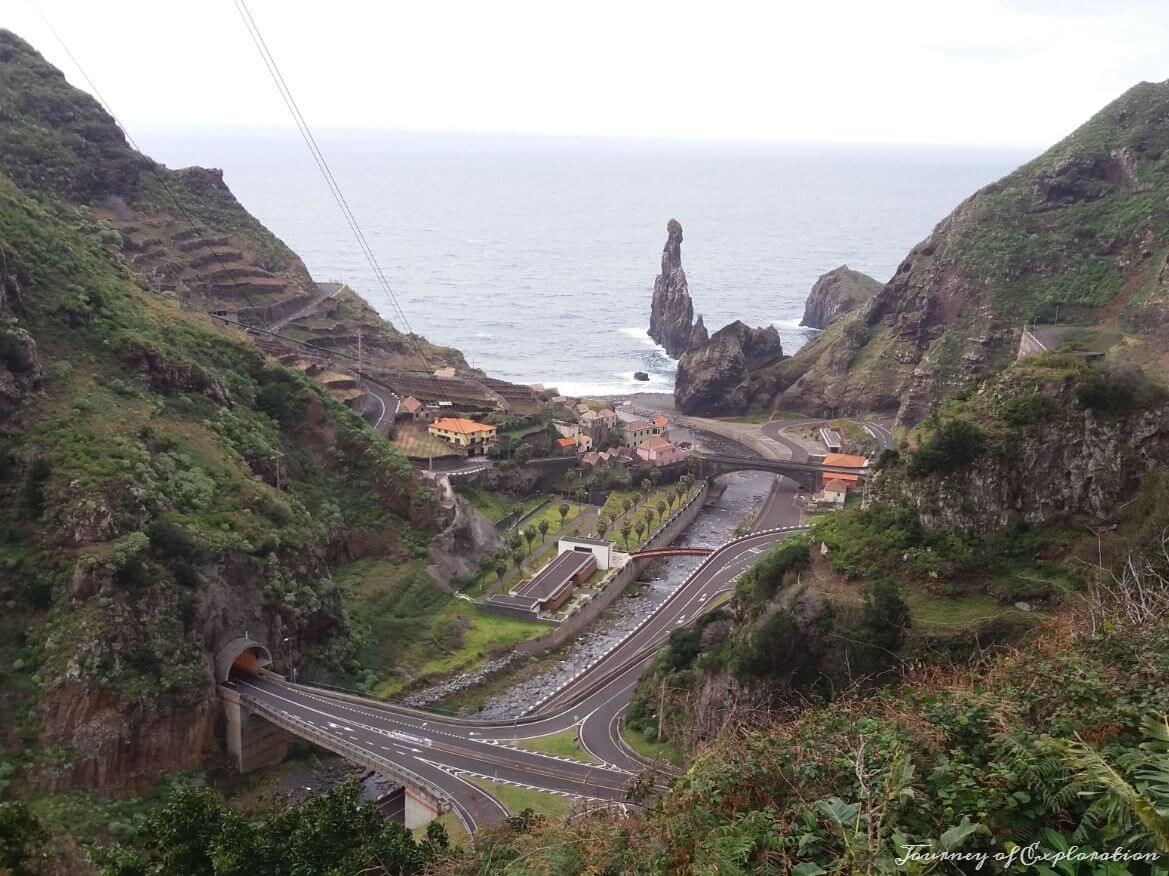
pixel 1015 72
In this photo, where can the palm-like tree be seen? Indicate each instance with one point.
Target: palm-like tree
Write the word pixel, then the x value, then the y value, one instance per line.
pixel 626 531
pixel 544 526
pixel 530 535
pixel 603 526
pixel 1136 806
pixel 639 528
pixel 563 509
pixel 627 504
pixel 662 507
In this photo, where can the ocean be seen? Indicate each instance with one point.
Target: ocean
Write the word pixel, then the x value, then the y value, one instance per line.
pixel 536 256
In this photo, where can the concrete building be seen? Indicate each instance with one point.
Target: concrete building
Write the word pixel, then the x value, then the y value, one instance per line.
pixel 551 586
pixel 844 460
pixel 833 441
pixel 658 451
pixel 601 549
pixel 473 437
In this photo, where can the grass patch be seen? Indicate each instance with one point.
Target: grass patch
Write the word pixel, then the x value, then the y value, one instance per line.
pixel 454 830
pixel 518 799
pixel 562 744
pixel 407 628
pixel 939 613
pixel 666 751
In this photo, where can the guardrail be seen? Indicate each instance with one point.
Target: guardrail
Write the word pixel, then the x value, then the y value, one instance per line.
pixel 356 753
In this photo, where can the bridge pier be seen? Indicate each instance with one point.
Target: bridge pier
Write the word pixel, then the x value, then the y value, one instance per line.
pixel 251 740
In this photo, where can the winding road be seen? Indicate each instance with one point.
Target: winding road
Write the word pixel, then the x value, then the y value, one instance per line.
pixel 447 752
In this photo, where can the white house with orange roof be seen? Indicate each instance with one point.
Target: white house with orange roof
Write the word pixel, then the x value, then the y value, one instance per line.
pixel 657 451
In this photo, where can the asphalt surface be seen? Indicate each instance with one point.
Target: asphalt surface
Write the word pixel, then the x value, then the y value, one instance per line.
pixel 445 750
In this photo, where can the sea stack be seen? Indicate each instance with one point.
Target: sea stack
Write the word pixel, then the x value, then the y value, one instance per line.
pixel 715 378
pixel 671 320
pixel 839 291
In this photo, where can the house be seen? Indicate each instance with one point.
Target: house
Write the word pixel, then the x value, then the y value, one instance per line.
pixel 832 439
pixel 567 446
pixel 658 451
pixel 641 430
pixel 474 437
pixel 580 409
pixel 411 409
pixel 592 424
pixel 553 584
pixel 833 494
pixel 591 459
pixel 566 430
pixel 583 442
pixel 844 460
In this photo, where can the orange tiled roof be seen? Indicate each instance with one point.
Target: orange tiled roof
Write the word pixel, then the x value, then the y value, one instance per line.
pixel 566 442
pixel 846 460
pixel 661 421
pixel 836 485
pixel 657 443
pixel 458 424
pixel 411 404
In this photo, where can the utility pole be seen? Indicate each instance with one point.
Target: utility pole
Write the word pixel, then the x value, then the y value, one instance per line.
pixel 276 457
pixel 359 350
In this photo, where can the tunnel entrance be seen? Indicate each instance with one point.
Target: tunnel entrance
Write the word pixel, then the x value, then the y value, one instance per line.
pixel 243 654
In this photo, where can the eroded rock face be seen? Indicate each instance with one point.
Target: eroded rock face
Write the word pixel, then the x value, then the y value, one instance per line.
pixel 1083 466
pixel 839 291
pixel 714 379
pixel 671 320
pixel 455 551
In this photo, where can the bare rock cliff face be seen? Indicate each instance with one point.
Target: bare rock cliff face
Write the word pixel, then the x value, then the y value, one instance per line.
pixel 713 379
pixel 841 290
pixel 671 321
pixel 1082 466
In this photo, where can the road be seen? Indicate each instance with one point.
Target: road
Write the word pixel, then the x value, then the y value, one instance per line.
pixel 387 403
pixel 446 750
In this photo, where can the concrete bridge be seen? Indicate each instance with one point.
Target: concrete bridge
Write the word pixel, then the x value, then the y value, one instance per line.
pixel 672 552
pixel 260 734
pixel 806 473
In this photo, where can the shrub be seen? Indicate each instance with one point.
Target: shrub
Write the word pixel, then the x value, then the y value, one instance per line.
pixel 1118 389
pixel 33 492
pixel 952 447
pixel 1029 409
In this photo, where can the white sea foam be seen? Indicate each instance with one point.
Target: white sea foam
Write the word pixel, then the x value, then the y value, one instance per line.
pixel 642 336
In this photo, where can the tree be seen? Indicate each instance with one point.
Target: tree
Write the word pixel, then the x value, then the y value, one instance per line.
pixel 649 519
pixel 193 832
pixel 662 508
pixel 626 531
pixel 639 528
pixel 530 535
pixel 501 565
pixel 517 558
pixel 513 541
pixel 544 526
pixel 603 525
pixel 563 509
pixel 20 836
pixel 627 504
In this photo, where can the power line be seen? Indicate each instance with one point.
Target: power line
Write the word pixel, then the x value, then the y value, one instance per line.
pixel 331 181
pixel 150 164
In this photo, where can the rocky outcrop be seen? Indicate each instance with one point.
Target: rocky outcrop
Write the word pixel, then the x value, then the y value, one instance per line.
pixel 839 291
pixel 1059 232
pixel 671 320
pixel 713 379
pixel 1071 462
pixel 455 551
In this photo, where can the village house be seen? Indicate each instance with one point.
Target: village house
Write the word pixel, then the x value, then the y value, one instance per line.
pixel 844 460
pixel 657 451
pixel 832 440
pixel 638 431
pixel 474 437
pixel 833 495
pixel 566 430
pixel 411 409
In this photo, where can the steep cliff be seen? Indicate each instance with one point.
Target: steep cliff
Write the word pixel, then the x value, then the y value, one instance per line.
pixel 714 378
pixel 164 486
pixel 841 290
pixel 671 320
pixel 1081 232
pixel 1052 437
pixel 182 231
